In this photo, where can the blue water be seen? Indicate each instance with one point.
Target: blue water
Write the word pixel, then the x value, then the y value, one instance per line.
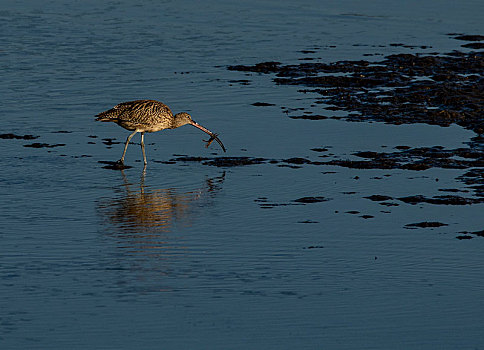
pixel 183 255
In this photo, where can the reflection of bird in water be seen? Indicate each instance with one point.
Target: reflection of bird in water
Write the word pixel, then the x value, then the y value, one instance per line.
pixel 145 216
pixel 149 116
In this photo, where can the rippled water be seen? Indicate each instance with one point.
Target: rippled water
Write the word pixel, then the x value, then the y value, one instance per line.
pixel 183 255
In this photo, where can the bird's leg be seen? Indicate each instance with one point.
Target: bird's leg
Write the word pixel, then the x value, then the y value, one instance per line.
pixel 126 146
pixel 143 147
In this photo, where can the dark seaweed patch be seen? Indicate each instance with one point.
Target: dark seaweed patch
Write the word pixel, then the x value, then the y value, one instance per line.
pixel 470 37
pixel 420 158
pixel 464 237
pixel 378 198
pixel 262 104
pixel 263 67
pixel 240 81
pixel 297 161
pixel 44 145
pixel 109 141
pixel 475 233
pixel 450 90
pixel 311 200
pixel 374 164
pixel 475 46
pixel 17 137
pixel 222 161
pixel 310 117
pixel 234 161
pixel 441 200
pixel 263 202
pixel 114 165
pixel 426 224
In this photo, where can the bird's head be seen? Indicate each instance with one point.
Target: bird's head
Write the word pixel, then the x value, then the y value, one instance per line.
pixel 182 119
pixel 185 118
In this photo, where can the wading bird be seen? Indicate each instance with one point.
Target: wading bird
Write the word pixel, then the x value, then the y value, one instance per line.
pixel 149 116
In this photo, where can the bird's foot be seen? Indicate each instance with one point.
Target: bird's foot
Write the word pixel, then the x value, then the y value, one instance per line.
pixel 118 165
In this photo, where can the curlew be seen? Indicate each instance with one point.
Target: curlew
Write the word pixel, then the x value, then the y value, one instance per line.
pixel 149 116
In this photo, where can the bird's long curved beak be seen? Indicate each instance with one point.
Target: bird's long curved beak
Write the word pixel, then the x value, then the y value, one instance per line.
pixel 212 135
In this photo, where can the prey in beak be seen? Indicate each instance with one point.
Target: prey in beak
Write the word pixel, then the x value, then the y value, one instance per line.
pixel 213 136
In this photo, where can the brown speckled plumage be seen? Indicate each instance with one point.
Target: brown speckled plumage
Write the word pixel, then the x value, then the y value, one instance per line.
pixel 148 116
pixel 144 115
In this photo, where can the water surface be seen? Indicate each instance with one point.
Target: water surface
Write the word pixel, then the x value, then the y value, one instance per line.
pixel 185 255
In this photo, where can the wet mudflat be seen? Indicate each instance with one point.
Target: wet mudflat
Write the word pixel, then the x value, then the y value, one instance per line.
pixel 346 213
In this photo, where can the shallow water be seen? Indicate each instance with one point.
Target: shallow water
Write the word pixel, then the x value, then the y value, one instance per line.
pixel 186 255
